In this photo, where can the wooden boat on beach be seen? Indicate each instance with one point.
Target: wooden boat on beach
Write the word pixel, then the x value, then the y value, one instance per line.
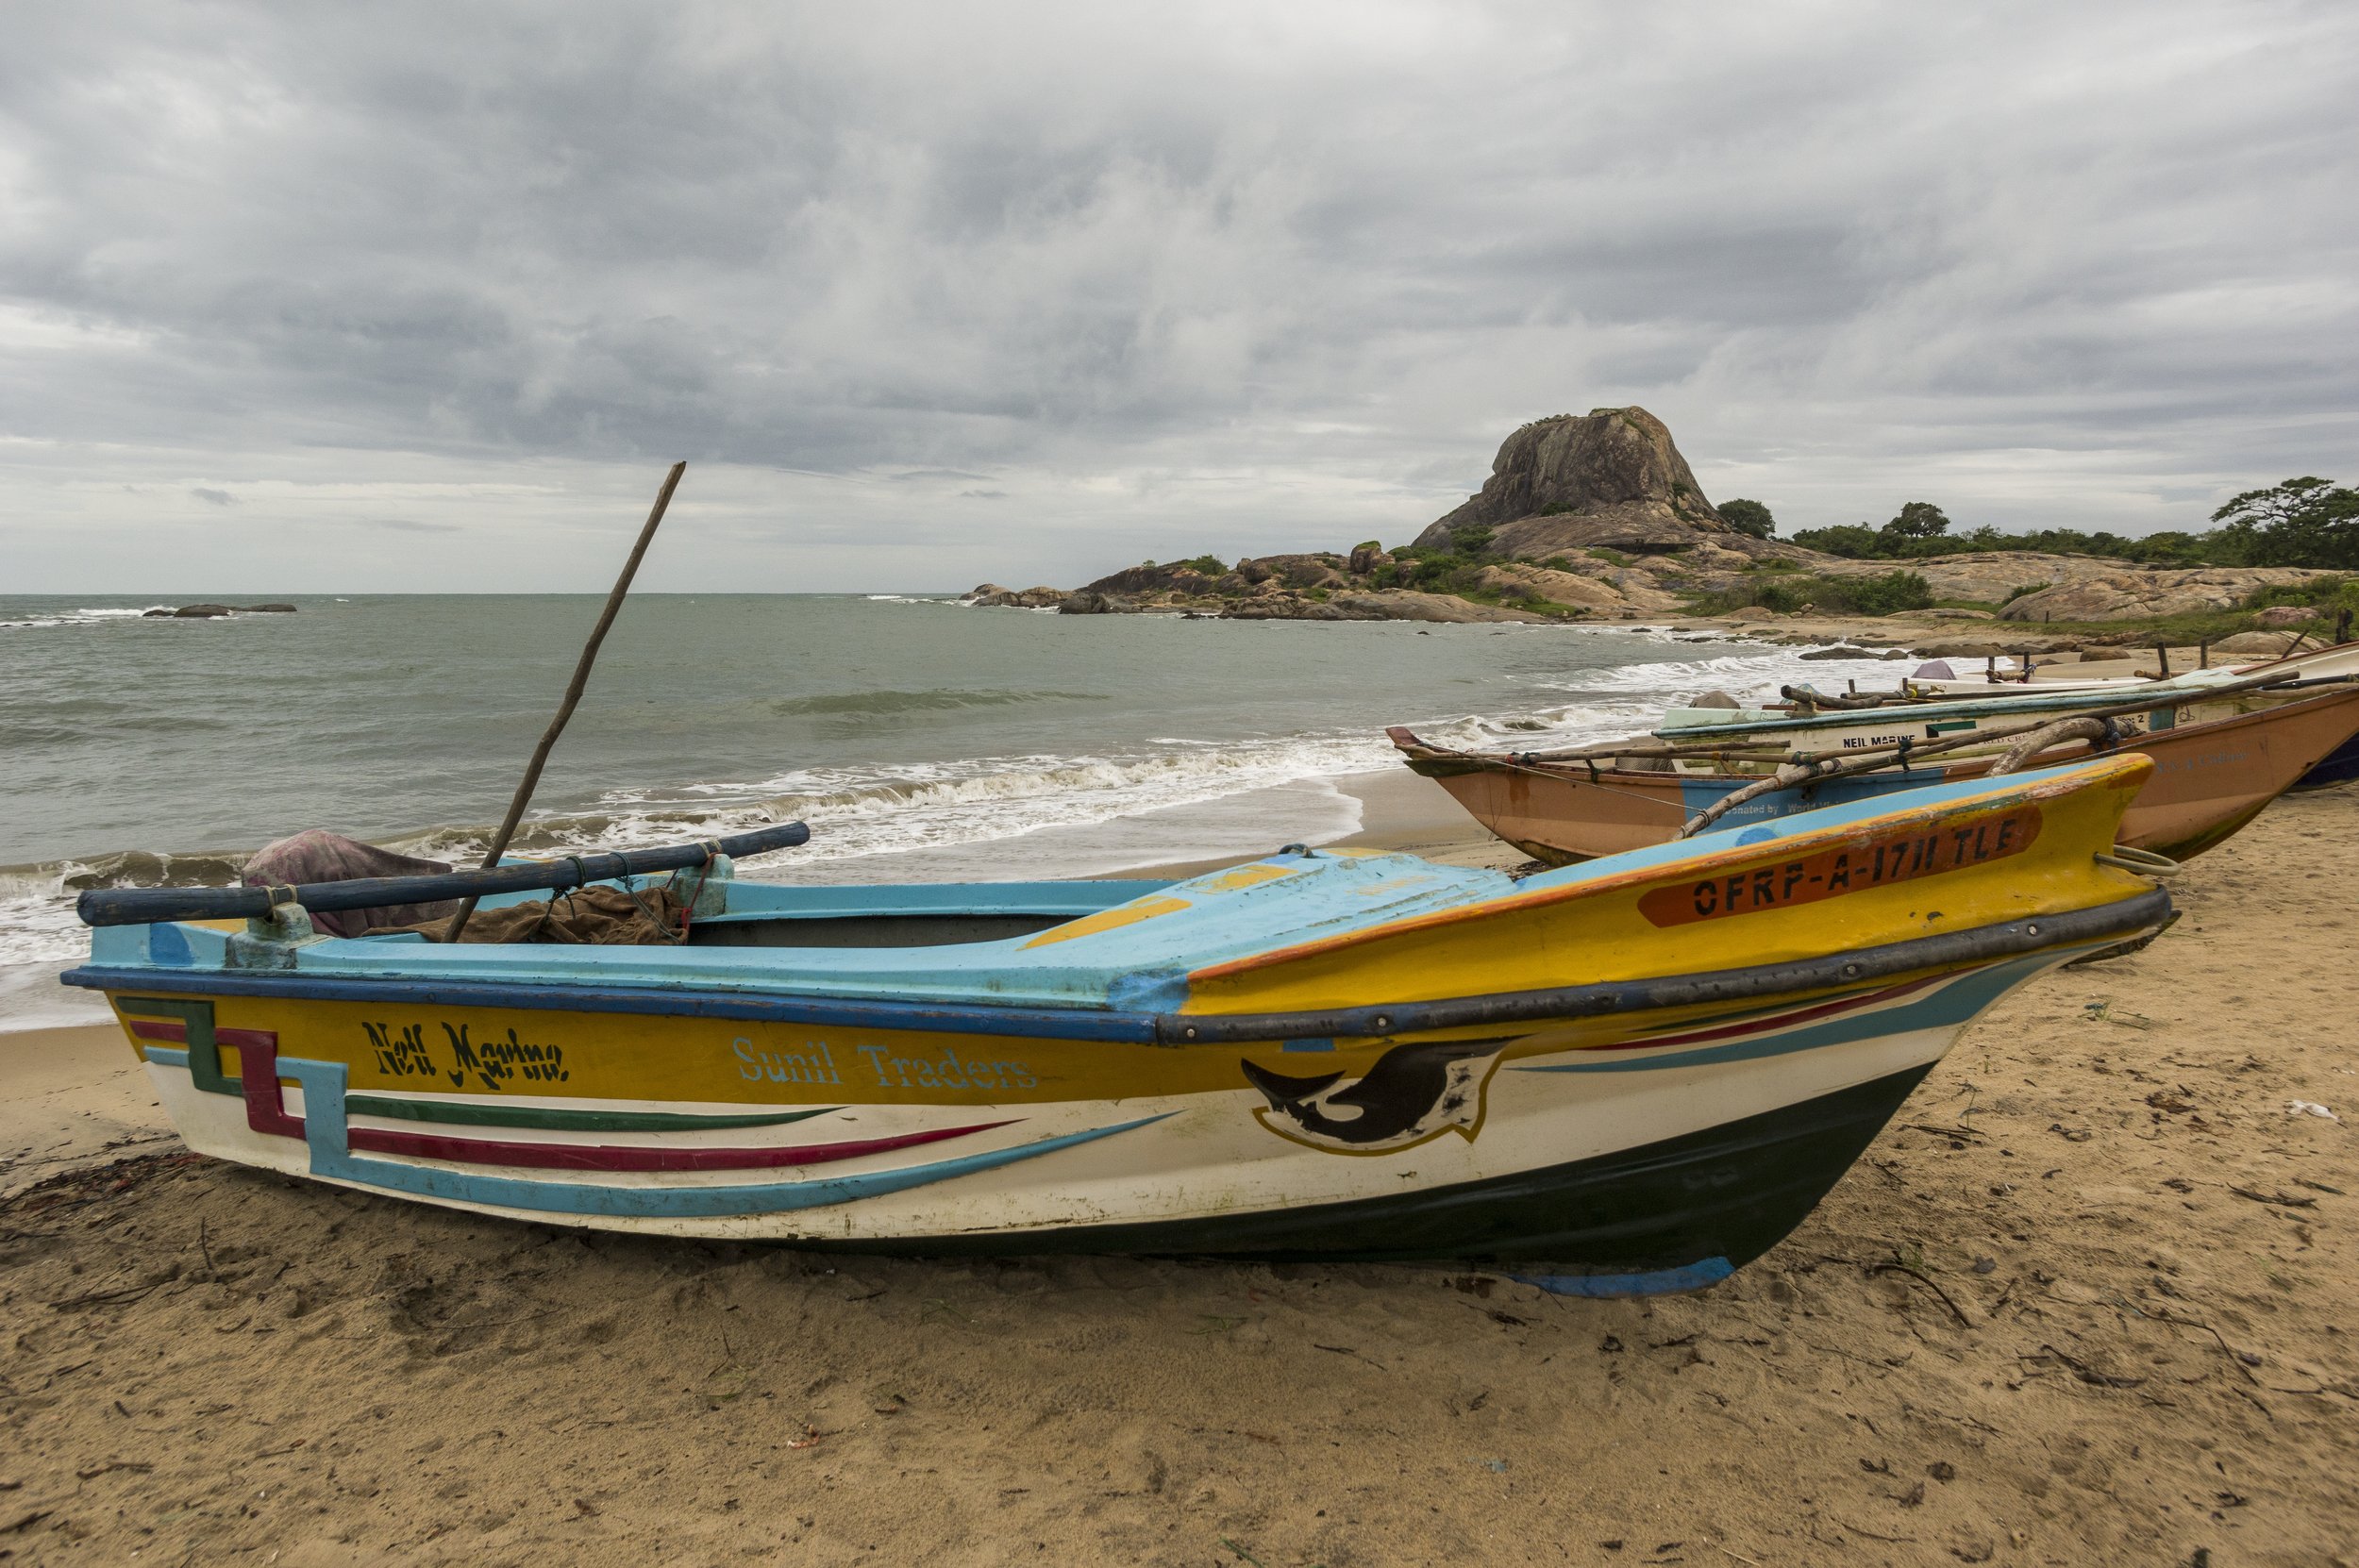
pixel 2299 674
pixel 2210 778
pixel 1644 1070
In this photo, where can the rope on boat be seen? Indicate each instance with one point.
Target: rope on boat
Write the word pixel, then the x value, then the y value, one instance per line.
pixel 2099 733
pixel 2143 862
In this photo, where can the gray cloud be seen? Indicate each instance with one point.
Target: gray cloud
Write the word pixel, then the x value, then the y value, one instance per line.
pixel 214 497
pixel 1235 279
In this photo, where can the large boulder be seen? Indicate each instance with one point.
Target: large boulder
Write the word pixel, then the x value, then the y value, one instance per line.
pixel 1560 588
pixel 1611 479
pixel 2131 595
pixel 1043 598
pixel 2264 644
pixel 1988 575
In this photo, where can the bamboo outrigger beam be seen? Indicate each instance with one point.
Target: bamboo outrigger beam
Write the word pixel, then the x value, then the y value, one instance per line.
pixel 573 696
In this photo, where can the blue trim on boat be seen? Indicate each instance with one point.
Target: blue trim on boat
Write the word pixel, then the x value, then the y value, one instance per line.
pixel 1692 1277
pixel 324 1127
pixel 1041 1022
pixel 2013 938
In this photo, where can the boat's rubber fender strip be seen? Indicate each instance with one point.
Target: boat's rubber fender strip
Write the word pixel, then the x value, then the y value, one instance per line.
pixel 1984 943
pixel 146 905
pixel 2106 922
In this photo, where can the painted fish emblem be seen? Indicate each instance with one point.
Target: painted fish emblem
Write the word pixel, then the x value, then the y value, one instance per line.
pixel 1413 1093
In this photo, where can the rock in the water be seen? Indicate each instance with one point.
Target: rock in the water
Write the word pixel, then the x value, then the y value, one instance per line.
pixel 156 614
pixel 268 609
pixel 1028 598
pixel 1611 479
pixel 1086 603
pixel 200 613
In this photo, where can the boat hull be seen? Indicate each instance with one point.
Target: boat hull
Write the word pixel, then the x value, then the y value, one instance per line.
pixel 1588 1144
pixel 1639 1075
pixel 2209 780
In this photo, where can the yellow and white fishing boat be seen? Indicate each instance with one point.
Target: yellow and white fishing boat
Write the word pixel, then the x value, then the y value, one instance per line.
pixel 1642 1070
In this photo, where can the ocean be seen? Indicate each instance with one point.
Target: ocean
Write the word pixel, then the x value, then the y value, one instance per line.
pixel 922 739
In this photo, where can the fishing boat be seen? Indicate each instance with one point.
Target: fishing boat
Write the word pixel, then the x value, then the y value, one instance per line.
pixel 2210 778
pixel 1641 1072
pixel 2293 674
pixel 2340 659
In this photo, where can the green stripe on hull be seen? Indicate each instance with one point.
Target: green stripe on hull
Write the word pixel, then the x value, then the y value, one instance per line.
pixel 477 1114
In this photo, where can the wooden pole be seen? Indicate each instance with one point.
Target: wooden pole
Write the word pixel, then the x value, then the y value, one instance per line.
pixel 573 697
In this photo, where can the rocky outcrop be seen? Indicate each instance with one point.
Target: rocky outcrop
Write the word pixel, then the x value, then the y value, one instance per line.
pixel 1395 604
pixel 996 597
pixel 210 613
pixel 1609 479
pixel 2141 592
pixel 1083 602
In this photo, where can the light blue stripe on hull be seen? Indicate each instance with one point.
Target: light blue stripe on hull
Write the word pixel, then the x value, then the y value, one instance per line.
pixel 1955 1004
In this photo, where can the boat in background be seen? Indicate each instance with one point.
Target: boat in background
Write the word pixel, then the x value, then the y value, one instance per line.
pixel 1642 1072
pixel 2209 778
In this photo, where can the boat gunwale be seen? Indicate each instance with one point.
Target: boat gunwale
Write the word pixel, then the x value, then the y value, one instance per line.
pixel 2097 924
pixel 2002 708
pixel 2101 771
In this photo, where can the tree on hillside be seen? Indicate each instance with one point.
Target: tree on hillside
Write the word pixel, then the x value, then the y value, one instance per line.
pixel 1748 517
pixel 1918 520
pixel 2304 522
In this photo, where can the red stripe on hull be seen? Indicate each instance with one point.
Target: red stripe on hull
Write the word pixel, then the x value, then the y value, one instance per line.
pixel 266 1112
pixel 608 1157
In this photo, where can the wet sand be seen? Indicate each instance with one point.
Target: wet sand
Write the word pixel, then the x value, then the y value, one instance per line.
pixel 2088 1301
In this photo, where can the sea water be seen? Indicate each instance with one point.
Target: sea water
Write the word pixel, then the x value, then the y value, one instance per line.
pixel 920 738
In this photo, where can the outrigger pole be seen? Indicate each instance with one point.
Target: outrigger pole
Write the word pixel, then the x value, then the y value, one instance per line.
pixel 573 696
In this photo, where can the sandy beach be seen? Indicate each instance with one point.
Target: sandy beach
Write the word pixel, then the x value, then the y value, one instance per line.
pixel 2088 1301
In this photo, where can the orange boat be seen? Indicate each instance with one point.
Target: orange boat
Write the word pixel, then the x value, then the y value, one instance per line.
pixel 2209 780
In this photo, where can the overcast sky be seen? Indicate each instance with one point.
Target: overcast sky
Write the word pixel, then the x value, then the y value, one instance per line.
pixel 306 297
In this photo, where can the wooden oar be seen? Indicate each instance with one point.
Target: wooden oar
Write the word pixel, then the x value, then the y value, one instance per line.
pixel 573 696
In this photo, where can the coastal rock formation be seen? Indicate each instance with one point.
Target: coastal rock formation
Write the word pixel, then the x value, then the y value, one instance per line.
pixel 207 612
pixel 2140 592
pixel 1611 479
pixel 1396 604
pixel 1028 598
